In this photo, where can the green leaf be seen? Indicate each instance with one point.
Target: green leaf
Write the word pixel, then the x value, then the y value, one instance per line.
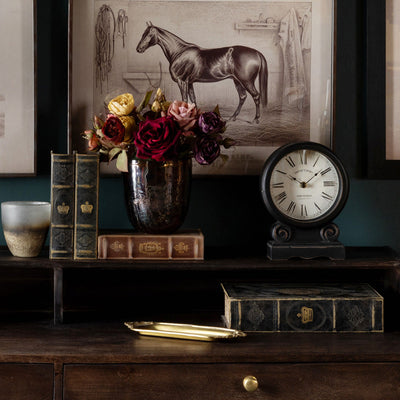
pixel 122 161
pixel 113 152
pixel 216 110
pixel 145 101
pixel 228 142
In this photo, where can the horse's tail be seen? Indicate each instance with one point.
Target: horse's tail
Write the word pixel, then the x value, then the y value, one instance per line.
pixel 263 81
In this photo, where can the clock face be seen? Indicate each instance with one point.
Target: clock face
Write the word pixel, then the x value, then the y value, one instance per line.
pixel 305 185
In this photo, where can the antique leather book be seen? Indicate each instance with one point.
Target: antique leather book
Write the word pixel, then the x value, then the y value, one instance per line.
pixel 62 206
pixel 267 307
pixel 86 206
pixel 183 245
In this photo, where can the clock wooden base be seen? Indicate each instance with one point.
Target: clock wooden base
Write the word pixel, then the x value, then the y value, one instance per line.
pixel 284 251
pixel 291 242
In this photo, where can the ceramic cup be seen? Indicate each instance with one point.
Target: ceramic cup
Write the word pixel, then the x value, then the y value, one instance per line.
pixel 25 226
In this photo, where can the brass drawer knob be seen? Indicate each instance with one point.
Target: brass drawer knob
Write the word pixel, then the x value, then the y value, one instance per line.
pixel 250 383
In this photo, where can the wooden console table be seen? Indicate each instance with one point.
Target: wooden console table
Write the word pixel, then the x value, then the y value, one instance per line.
pixel 104 360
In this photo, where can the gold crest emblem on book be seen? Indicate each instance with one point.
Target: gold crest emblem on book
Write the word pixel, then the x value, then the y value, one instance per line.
pixel 63 209
pixel 150 247
pixel 181 248
pixel 117 246
pixel 87 208
pixel 306 315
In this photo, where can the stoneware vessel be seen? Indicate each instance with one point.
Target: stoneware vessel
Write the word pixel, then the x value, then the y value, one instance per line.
pixel 25 226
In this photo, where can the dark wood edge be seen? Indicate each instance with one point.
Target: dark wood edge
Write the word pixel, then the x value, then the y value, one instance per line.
pixel 218 260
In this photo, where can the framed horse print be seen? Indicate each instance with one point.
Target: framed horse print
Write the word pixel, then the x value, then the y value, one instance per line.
pixel 18 88
pixel 268 65
pixel 383 88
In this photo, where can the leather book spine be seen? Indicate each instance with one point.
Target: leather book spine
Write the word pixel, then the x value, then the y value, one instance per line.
pixel 179 246
pixel 86 206
pixel 62 206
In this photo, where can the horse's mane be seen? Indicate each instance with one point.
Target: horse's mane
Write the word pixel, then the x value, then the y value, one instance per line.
pixel 163 31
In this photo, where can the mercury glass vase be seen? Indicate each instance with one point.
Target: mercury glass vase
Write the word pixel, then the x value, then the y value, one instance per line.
pixel 157 194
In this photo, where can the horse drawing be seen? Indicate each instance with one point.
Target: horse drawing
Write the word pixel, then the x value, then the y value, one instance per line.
pixel 189 63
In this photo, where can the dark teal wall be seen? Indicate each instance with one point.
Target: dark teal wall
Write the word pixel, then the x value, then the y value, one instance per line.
pixel 228 210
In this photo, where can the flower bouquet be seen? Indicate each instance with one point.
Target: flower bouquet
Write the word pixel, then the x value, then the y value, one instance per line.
pixel 157 130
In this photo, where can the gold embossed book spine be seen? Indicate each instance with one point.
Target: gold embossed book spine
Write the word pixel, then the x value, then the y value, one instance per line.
pixel 62 206
pixel 86 206
pixel 185 245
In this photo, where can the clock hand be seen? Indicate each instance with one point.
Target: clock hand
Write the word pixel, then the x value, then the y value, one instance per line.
pixel 294 179
pixel 305 183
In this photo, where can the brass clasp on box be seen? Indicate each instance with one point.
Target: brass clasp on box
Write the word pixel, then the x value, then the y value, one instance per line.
pixel 250 383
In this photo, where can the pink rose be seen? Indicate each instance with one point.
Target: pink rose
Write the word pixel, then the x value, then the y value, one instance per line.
pixel 183 113
pixel 93 143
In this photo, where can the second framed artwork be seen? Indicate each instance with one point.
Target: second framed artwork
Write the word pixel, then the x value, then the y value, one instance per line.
pixel 119 46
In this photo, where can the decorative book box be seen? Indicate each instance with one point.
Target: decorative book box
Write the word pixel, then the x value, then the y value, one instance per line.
pixel 184 245
pixel 266 307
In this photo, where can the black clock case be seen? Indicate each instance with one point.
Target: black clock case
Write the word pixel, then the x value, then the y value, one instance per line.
pixel 304 239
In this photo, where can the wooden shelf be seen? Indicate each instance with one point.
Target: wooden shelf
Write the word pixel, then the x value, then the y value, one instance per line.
pixel 221 265
pixel 219 260
pixel 104 360
pixel 114 343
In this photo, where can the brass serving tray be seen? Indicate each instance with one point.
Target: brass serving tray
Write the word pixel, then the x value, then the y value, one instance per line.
pixel 184 331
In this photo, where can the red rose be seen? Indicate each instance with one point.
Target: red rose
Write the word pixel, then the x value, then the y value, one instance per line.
pixel 113 129
pixel 157 139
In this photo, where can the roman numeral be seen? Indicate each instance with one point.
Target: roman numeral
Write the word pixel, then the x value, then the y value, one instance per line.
pixel 303 211
pixel 317 207
pixel 290 161
pixel 291 207
pixel 326 196
pixel 329 183
pixel 315 163
pixel 303 157
pixel 277 185
pixel 281 172
pixel 325 171
pixel 280 198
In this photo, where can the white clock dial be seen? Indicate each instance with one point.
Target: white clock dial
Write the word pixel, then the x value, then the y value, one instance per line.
pixel 305 185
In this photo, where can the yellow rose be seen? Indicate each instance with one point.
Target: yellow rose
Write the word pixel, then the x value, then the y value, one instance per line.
pixel 130 127
pixel 156 106
pixel 122 104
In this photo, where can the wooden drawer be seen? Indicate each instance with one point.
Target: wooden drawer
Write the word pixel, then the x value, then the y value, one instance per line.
pixel 26 381
pixel 224 381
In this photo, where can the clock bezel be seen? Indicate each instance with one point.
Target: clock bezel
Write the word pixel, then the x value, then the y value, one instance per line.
pixel 266 175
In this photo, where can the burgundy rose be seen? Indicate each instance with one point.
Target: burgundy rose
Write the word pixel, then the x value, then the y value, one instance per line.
pixel 113 129
pixel 206 150
pixel 157 139
pixel 210 122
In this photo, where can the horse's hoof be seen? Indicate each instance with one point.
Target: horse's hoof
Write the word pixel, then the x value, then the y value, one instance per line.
pixel 233 118
pixel 256 120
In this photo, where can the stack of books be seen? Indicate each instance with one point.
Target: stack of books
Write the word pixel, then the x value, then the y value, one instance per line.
pixel 74 227
pixel 74 206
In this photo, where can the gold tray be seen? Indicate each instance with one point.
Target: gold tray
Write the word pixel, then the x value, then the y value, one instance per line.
pixel 184 331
